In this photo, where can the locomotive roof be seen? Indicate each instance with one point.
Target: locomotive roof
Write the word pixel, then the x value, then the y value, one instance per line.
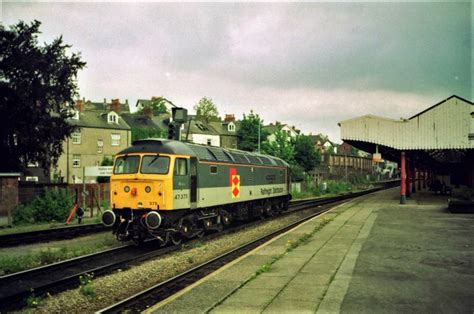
pixel 202 152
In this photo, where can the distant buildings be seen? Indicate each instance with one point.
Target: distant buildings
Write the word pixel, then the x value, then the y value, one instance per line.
pixel 102 132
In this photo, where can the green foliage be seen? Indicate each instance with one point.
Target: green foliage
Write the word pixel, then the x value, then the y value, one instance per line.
pixel 248 132
pixel 281 147
pixel 142 133
pixel 305 154
pixel 334 187
pixel 37 84
pixel 158 105
pixel 296 173
pixel 53 205
pixel 329 150
pixel 85 285
pixel 33 301
pixel 206 110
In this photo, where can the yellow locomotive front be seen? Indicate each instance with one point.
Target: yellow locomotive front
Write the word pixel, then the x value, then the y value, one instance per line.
pixel 141 196
pixel 141 181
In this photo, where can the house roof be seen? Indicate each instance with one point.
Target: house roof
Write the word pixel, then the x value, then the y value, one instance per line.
pixel 272 128
pixel 199 127
pixel 101 106
pixel 98 119
pixel 139 121
pixel 222 127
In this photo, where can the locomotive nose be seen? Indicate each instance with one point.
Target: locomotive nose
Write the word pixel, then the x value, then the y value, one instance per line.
pixel 108 218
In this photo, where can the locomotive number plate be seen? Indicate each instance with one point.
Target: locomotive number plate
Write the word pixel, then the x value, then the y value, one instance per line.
pixel 181 196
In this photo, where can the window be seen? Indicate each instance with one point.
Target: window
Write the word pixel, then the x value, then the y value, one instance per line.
pixel 76 137
pixel 155 164
pixel 180 167
pixel 209 142
pixel 213 169
pixel 100 146
pixel 76 161
pixel 112 117
pixel 126 164
pixel 231 127
pixel 115 139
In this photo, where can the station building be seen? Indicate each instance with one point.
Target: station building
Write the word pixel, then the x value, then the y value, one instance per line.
pixel 435 144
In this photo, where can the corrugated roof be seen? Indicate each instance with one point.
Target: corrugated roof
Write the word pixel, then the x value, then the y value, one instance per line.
pixel 446 125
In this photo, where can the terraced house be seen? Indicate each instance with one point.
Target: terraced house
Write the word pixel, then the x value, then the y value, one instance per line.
pixel 102 132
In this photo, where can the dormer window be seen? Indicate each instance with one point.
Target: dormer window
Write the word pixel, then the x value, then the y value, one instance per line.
pixel 112 117
pixel 231 127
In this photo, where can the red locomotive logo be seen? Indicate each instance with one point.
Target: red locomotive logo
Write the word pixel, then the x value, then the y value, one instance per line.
pixel 234 182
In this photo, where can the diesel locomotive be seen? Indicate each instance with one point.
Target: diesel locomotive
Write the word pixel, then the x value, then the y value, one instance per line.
pixel 170 190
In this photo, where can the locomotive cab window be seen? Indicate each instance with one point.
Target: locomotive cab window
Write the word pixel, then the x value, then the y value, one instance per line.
pixel 155 164
pixel 180 167
pixel 213 169
pixel 126 164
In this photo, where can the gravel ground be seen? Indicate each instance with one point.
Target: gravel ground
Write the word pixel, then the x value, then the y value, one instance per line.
pixel 121 284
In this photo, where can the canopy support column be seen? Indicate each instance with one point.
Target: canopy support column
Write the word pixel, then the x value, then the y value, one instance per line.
pixel 403 179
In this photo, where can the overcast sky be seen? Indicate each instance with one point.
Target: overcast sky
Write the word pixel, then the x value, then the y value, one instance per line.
pixel 307 64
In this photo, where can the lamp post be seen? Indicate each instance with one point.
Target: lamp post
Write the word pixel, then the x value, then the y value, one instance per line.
pixel 259 135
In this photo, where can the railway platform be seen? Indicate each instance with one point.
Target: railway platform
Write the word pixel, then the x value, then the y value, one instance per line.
pixel 369 254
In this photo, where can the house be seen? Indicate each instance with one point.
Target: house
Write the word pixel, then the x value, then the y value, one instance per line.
pixel 290 131
pixel 199 132
pixel 322 143
pixel 146 124
pixel 101 133
pixel 227 131
pixel 143 103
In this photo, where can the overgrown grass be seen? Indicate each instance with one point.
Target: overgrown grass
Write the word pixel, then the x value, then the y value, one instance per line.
pixel 85 285
pixel 332 187
pixel 290 246
pixel 11 264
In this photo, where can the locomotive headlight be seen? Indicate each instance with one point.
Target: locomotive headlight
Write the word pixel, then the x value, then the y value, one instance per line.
pixel 126 189
pixel 148 189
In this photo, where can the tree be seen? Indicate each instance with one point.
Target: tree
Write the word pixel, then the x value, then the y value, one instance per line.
pixel 158 105
pixel 281 147
pixel 305 154
pixel 206 110
pixel 139 133
pixel 37 87
pixel 248 132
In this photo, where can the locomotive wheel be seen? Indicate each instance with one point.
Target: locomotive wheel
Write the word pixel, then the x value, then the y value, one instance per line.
pixel 225 218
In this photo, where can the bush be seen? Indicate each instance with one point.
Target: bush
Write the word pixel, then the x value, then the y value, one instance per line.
pixel 53 205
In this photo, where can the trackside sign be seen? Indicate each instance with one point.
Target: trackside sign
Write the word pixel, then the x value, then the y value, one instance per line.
pixel 100 171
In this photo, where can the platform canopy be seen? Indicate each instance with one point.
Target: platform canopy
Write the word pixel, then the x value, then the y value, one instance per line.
pixel 443 133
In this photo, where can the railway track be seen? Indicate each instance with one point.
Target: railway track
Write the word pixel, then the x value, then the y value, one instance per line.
pixel 61 233
pixel 149 297
pixel 16 287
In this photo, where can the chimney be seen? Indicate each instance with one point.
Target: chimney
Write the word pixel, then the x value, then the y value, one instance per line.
pixel 115 106
pixel 80 105
pixel 229 118
pixel 105 104
pixel 148 111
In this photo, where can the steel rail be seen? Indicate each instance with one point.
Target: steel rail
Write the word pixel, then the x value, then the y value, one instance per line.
pixel 163 290
pixel 45 235
pixel 53 278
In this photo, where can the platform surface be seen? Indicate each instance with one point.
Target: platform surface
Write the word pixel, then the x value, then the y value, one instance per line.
pixel 368 255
